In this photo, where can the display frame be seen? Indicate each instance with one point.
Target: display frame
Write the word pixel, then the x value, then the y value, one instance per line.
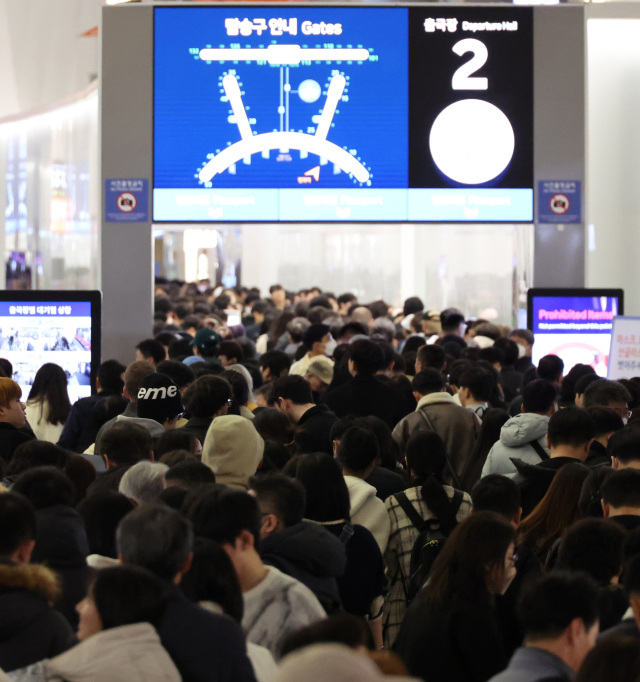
pixel 544 292
pixel 94 297
pixel 372 219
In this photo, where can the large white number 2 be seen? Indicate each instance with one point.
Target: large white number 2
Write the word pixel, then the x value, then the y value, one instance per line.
pixel 461 79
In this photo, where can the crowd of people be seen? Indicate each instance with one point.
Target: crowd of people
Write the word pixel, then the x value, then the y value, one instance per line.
pixel 328 491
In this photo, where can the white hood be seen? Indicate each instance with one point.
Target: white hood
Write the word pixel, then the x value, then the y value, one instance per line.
pixel 524 428
pixel 369 511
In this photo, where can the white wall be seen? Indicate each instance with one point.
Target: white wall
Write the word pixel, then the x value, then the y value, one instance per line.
pixel 613 194
pixel 43 59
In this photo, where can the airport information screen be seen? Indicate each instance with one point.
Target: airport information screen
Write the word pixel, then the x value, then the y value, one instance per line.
pixel 343 114
pixel 35 332
pixel 576 328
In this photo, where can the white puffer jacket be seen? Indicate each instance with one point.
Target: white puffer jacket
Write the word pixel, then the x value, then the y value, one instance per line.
pixel 515 438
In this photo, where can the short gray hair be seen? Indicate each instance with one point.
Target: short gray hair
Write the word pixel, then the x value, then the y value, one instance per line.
pixel 385 327
pixel 144 482
pixel 297 327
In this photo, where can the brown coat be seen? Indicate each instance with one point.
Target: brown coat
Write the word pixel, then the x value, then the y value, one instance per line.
pixel 458 427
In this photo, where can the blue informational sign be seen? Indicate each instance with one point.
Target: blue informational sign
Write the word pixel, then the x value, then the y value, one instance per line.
pixel 559 201
pixel 126 200
pixel 343 114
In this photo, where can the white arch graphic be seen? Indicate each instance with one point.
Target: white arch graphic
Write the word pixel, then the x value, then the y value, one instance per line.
pixel 252 144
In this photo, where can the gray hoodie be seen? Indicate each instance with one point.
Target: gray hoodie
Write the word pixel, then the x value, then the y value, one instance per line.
pixel 515 438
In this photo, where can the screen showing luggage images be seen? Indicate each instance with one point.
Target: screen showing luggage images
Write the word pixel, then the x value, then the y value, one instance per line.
pixel 576 328
pixel 343 114
pixel 33 333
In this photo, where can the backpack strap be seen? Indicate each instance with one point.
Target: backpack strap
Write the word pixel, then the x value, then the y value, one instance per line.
pixel 410 511
pixel 450 522
pixel 540 451
pixel 428 422
pixel 347 533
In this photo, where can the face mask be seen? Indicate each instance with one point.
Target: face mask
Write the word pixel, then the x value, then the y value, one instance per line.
pixel 521 350
pixel 330 347
pixel 625 420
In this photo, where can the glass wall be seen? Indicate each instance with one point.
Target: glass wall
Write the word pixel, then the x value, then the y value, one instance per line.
pixel 485 270
pixel 50 194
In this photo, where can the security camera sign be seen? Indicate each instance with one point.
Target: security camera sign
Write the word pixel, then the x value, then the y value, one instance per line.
pixel 127 200
pixel 559 201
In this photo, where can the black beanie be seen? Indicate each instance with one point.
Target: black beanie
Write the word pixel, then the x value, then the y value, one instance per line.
pixel 159 398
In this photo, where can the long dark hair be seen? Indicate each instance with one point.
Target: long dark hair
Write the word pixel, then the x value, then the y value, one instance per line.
pixel 475 547
pixel 492 422
pixel 557 510
pixel 50 384
pixel 427 458
pixel 327 492
pixel 279 327
pixel 389 450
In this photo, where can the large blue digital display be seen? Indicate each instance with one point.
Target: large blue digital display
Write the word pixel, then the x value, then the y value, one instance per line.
pixel 288 113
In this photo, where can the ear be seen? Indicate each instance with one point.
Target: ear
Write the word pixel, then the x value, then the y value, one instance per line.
pixel 335 444
pixel 574 631
pixel 22 555
pixel 107 461
pixel 548 442
pixel 608 435
pixel 605 509
pixel 417 396
pixel 615 465
pixel 245 541
pixel 125 393
pixel 269 523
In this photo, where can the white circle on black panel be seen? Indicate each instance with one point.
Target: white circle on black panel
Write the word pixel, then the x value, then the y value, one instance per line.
pixel 471 141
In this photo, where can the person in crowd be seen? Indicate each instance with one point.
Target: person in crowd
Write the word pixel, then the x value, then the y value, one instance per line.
pixel 614 660
pixel 203 645
pixel 551 368
pixel 492 422
pixel 274 426
pixel 181 375
pixel 117 633
pixel 242 389
pixel 581 386
pixel 595 547
pixel 383 477
pixel 274 364
pixel 101 514
pixel 363 395
pixel 159 401
pixel 30 629
pixel 123 445
pixel 212 582
pixel 230 353
pixel 316 340
pixel 33 453
pixel 339 628
pixel 361 586
pixel 609 394
pixel 523 437
pixel 133 377
pixel 205 344
pixel 143 482
pixel 12 419
pixel 61 539
pixel 357 454
pixel 569 437
pixel 629 626
pixel 78 432
pixel 624 449
pixel 320 375
pixel 453 328
pixel 151 350
pixel 476 386
pixel 452 632
pixel 208 397
pixel 605 423
pixel 559 615
pixel 501 495
pixel 189 475
pixel 233 450
pixel 524 339
pixel 275 604
pixel 621 498
pixel 177 439
pixel 458 427
pixel 292 396
pixel 567 397
pixel 430 356
pixel 510 377
pixel 302 549
pixel 427 501
pixel 556 512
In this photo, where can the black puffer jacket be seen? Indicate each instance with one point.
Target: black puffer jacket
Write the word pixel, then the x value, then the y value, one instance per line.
pixel 311 554
pixel 61 544
pixel 30 629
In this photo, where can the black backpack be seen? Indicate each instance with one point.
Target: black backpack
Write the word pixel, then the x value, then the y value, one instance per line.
pixel 429 542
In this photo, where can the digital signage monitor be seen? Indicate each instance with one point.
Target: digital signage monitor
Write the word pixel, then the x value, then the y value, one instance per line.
pixel 309 113
pixel 62 327
pixel 574 324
